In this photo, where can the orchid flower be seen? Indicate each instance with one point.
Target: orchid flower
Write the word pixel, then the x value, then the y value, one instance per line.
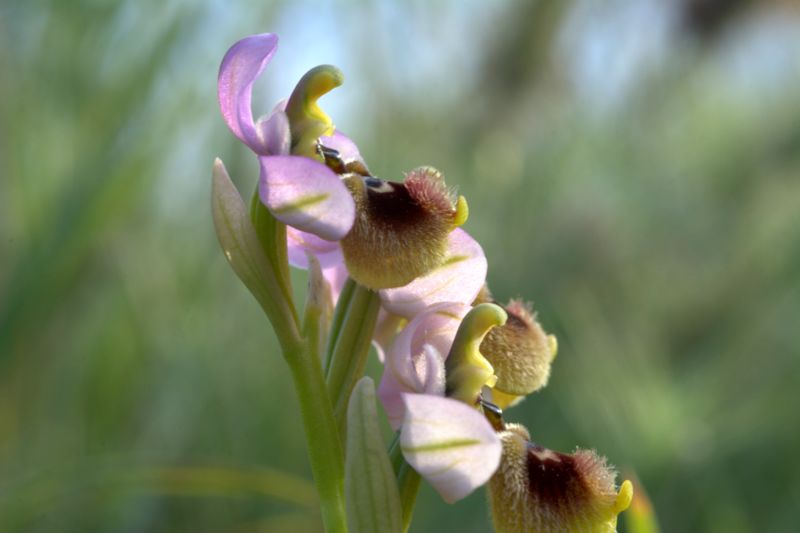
pixel 309 197
pixel 298 190
pixel 446 439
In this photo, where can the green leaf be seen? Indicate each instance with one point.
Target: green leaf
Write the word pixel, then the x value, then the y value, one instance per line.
pixel 243 250
pixel 373 500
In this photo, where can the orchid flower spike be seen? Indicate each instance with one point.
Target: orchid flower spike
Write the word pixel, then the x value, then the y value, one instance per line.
pixel 536 490
pixel 297 188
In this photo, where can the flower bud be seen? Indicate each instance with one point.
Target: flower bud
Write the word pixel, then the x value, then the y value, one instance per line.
pixel 401 229
pixel 520 352
pixel 541 491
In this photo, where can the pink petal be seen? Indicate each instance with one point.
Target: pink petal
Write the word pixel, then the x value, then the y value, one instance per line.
pixel 340 142
pixel 240 67
pixel 275 133
pixel 307 195
pixel 299 243
pixel 408 366
pixel 449 443
pixel 459 280
pixel 336 275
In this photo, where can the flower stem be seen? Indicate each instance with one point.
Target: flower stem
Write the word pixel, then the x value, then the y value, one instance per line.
pixel 351 348
pixel 342 305
pixel 322 437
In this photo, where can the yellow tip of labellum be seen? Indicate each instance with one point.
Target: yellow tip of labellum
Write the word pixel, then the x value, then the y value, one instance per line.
pixel 624 497
pixel 307 120
pixel 462 212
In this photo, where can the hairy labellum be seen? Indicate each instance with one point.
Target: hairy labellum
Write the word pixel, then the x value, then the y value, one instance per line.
pixel 537 490
pixel 520 352
pixel 401 229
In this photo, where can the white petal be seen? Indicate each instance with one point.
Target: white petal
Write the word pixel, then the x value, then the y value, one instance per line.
pixel 449 443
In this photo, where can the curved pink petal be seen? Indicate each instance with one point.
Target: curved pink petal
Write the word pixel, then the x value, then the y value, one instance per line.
pixel 340 142
pixel 336 275
pixel 458 280
pixel 240 67
pixel 299 243
pixel 275 132
pixel 307 195
pixel 449 443
pixel 410 365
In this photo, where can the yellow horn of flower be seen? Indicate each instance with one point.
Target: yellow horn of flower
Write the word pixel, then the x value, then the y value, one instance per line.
pixel 536 490
pixel 307 120
pixel 467 370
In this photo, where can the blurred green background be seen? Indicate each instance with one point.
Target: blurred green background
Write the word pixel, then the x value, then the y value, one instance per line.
pixel 632 167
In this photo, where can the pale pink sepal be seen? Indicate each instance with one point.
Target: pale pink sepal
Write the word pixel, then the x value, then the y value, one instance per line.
pixel 429 378
pixel 240 67
pixel 449 443
pixel 299 244
pixel 307 195
pixel 412 363
pixel 458 280
pixel 348 151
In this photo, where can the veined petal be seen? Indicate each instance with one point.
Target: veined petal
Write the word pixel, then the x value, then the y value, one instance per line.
pixel 307 195
pixel 348 151
pixel 449 443
pixel 408 364
pixel 426 377
pixel 459 279
pixel 240 67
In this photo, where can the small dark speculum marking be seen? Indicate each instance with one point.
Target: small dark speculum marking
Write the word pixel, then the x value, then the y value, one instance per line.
pixel 554 478
pixel 394 207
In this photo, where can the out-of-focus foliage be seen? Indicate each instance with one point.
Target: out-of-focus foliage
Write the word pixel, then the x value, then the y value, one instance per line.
pixel 631 168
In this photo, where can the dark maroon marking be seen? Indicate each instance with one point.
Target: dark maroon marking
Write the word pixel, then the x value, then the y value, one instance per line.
pixel 556 483
pixel 395 208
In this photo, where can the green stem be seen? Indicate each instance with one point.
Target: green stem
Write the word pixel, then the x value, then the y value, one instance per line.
pixel 301 353
pixel 322 437
pixel 342 305
pixel 349 357
pixel 408 481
